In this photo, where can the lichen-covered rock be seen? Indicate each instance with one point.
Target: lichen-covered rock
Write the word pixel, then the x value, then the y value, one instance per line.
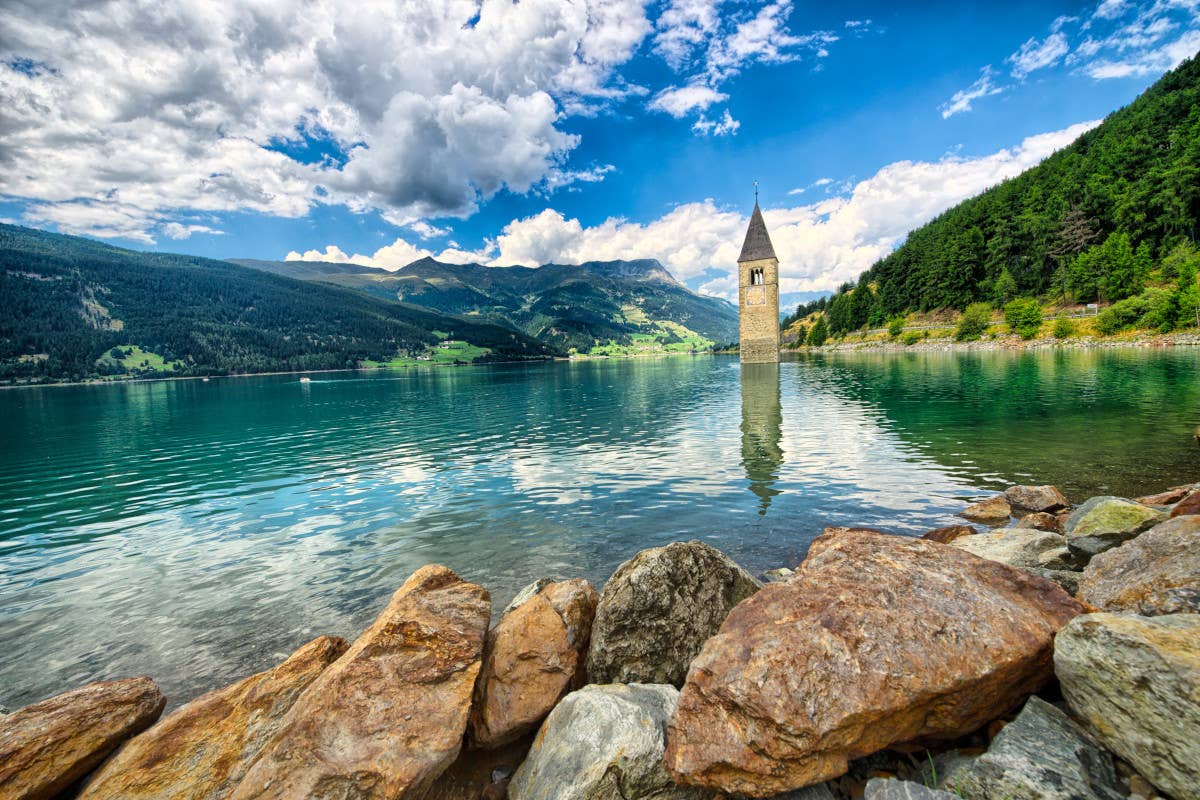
pixel 993 511
pixel 892 789
pixel 949 533
pixel 46 747
pixel 1189 505
pixel 1040 521
pixel 810 673
pixel 534 656
pixel 1135 683
pixel 388 716
pixel 201 750
pixel 1156 573
pixel 603 743
pixel 1017 547
pixel 657 610
pixel 1105 522
pixel 1035 498
pixel 1041 755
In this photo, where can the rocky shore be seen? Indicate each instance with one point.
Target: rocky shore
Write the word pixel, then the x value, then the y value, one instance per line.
pixel 1052 655
pixel 937 344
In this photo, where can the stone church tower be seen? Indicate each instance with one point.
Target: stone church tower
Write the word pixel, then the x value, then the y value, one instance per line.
pixel 758 294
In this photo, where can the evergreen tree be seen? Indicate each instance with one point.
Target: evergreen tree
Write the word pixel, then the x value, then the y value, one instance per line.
pixel 819 333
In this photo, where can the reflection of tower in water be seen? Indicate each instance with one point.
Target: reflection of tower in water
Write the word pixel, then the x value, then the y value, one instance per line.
pixel 762 423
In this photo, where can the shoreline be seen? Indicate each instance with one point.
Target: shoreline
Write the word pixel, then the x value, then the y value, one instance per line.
pixel 949 344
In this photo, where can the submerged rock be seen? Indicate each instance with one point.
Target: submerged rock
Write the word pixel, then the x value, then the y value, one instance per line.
pixel 1036 498
pixel 534 656
pixel 46 747
pixel 1135 683
pixel 949 533
pixel 201 750
pixel 1041 754
pixel 1017 547
pixel 657 610
pixel 810 673
pixel 993 511
pixel 389 716
pixel 1040 521
pixel 603 743
pixel 1105 522
pixel 1156 573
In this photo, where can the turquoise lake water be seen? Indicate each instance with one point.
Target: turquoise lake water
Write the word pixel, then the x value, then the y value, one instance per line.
pixel 197 532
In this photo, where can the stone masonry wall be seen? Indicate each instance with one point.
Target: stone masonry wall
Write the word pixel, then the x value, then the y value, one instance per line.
pixel 759 312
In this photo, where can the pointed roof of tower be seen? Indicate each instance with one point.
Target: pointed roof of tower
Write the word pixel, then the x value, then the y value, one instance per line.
pixel 758 241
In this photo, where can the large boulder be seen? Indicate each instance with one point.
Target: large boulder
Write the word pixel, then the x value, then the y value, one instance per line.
pixel 657 610
pixel 1036 498
pixel 1105 522
pixel 1041 755
pixel 993 511
pixel 201 750
pixel 46 747
pixel 389 716
pixel 1135 683
pixel 1156 573
pixel 878 640
pixel 1018 547
pixel 603 743
pixel 534 656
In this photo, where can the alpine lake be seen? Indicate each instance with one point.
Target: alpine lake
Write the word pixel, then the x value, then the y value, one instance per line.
pixel 199 531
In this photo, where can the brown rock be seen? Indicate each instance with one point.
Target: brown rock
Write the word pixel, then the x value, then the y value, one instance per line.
pixel 47 746
pixel 534 656
pixel 1035 498
pixel 1169 497
pixel 1156 573
pixel 389 716
pixel 810 673
pixel 1188 505
pixel 993 511
pixel 201 750
pixel 1040 521
pixel 949 533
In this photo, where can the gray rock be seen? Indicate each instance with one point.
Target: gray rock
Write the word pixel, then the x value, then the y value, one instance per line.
pixel 526 593
pixel 1036 498
pixel 1105 522
pixel 889 789
pixel 659 608
pixel 1156 573
pixel 1041 755
pixel 1067 579
pixel 776 575
pixel 1017 547
pixel 821 791
pixel 1135 683
pixel 1056 558
pixel 603 743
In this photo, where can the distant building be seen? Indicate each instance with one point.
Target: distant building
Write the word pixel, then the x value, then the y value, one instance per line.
pixel 758 294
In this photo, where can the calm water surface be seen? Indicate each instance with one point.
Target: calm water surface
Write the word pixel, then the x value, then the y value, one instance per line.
pixel 197 532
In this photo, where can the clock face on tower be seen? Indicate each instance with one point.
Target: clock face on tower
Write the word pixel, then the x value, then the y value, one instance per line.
pixel 756 295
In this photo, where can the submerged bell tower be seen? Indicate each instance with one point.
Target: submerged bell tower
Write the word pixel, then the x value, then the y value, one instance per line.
pixel 758 293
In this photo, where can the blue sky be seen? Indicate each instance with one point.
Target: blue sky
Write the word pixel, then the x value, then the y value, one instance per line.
pixel 546 130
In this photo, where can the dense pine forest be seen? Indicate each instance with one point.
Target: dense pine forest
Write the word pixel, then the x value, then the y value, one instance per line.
pixel 76 309
pixel 1111 219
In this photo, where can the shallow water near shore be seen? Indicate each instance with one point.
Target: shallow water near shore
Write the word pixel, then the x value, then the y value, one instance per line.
pixel 197 532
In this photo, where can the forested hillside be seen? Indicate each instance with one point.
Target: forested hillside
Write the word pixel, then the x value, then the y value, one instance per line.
pixel 1098 221
pixel 588 306
pixel 74 308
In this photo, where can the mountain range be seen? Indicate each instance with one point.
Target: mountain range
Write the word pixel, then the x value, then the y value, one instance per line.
pixel 565 306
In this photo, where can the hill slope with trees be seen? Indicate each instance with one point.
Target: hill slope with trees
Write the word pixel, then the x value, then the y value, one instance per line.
pixel 1100 221
pixel 75 308
pixel 583 306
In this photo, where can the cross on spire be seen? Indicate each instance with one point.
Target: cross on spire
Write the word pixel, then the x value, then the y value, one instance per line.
pixel 756 193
